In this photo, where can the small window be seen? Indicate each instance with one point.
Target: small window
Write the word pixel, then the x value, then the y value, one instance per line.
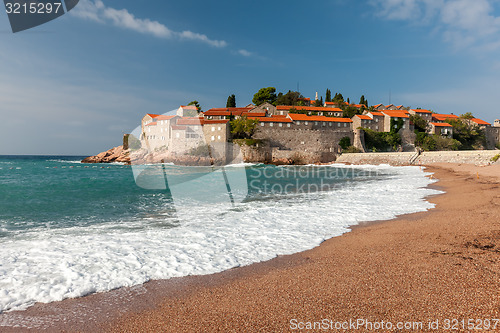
pixel 298 122
pixel 218 137
pixel 280 124
pixel 330 124
pixel 262 124
pixel 219 128
pixel 339 124
pixel 213 129
pixel 288 125
pixel 324 124
pixel 213 138
pixel 315 123
pixel 306 123
pixel 271 124
pixel 376 120
pixel 177 135
pixel 345 124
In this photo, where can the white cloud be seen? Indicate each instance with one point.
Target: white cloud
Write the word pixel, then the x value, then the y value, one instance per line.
pixel 98 12
pixel 462 22
pixel 245 53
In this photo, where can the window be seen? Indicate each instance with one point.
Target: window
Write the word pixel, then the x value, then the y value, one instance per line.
pixel 288 125
pixel 324 124
pixel 213 129
pixel 177 135
pixel 339 124
pixel 271 124
pixel 280 124
pixel 345 124
pixel 218 137
pixel 330 124
pixel 298 122
pixel 261 124
pixel 376 120
pixel 306 123
pixel 315 123
pixel 219 128
pixel 213 138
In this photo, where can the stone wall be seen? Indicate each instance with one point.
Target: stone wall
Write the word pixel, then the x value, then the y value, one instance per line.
pixel 477 157
pixel 315 138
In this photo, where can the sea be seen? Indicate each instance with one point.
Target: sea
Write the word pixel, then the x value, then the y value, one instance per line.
pixel 69 229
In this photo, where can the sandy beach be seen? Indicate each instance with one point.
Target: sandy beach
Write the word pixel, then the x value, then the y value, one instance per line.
pixel 419 269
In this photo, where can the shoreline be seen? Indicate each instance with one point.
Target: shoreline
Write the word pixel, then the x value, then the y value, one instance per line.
pixel 149 306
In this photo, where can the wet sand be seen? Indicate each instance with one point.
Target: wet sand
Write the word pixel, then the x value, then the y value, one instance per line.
pixel 437 265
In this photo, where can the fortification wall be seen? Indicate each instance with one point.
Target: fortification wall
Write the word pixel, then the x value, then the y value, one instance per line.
pixel 477 157
pixel 308 140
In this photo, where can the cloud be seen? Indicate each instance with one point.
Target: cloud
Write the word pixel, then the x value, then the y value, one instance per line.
pixel 245 53
pixel 98 12
pixel 462 22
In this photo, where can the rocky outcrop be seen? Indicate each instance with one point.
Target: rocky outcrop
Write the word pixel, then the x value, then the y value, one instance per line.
pixel 117 154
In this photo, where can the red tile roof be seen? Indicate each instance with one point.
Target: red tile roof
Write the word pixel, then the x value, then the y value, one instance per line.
pixel 443 117
pixel 377 113
pixel 395 113
pixel 307 108
pixel 378 105
pixel 164 117
pixel 273 119
pixel 152 115
pixel 178 128
pixel 362 116
pixel 196 121
pixel 480 121
pixel 304 117
pixel 152 123
pixel 421 111
pixel 441 124
pixel 215 121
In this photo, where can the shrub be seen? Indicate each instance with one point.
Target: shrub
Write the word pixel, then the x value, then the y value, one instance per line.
pixel 345 142
pixel 495 158
pixel 351 150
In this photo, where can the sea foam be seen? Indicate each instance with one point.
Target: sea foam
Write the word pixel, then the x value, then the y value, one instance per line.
pixel 53 264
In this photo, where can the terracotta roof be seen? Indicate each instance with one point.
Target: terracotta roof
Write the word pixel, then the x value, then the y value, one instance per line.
pixel 192 107
pixel 395 113
pixel 378 105
pixel 443 117
pixel 152 124
pixel 399 106
pixel 362 116
pixel 441 124
pixel 358 105
pixel 178 128
pixel 152 115
pixel 256 114
pixel 217 113
pixel 307 108
pixel 215 121
pixel 304 117
pixel 196 121
pixel 273 119
pixel 164 117
pixel 376 113
pixel 421 111
pixel 480 121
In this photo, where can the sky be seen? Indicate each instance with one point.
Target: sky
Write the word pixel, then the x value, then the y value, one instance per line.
pixel 75 85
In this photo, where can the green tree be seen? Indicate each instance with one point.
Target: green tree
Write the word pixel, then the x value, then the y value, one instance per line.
pixel 328 95
pixel 231 101
pixel 195 103
pixel 265 95
pixel 363 100
pixel 345 142
pixel 468 133
pixel 290 98
pixel 243 128
pixel 319 102
pixel 338 98
pixel 419 123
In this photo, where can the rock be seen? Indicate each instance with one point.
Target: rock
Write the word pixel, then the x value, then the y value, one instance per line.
pixel 117 154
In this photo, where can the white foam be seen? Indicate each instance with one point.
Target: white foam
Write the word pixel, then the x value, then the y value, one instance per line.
pixel 52 265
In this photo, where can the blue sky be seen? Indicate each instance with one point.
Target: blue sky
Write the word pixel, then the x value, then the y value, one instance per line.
pixel 76 84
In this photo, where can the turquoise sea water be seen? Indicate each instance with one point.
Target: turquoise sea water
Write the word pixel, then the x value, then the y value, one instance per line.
pixel 69 229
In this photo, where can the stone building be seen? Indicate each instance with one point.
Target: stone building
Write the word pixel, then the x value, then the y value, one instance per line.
pixel 425 114
pixel 443 129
